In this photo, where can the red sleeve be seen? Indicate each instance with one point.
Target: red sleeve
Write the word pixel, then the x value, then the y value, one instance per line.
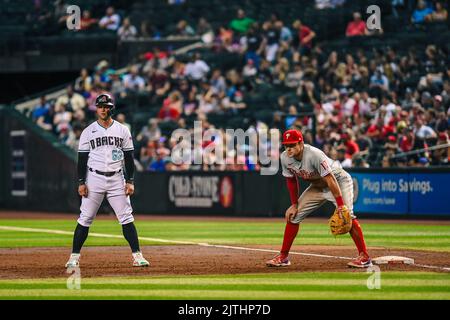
pixel 293 189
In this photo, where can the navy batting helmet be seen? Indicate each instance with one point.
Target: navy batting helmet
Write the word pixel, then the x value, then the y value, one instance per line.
pixel 105 99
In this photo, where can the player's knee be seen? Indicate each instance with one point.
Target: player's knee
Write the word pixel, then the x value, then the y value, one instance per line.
pixel 126 218
pixel 85 221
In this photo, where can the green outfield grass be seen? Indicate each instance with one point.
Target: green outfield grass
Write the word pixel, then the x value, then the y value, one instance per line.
pixel 402 236
pixel 337 285
pixel 305 285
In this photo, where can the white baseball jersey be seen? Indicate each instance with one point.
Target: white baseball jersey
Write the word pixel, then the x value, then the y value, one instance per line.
pixel 105 145
pixel 313 166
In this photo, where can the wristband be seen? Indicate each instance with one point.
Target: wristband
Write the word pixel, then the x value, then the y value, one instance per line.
pixel 81 182
pixel 130 181
pixel 339 201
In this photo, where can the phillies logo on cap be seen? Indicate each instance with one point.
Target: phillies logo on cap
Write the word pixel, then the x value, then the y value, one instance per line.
pixel 292 136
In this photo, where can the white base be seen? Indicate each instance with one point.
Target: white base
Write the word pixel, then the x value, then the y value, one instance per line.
pixel 393 260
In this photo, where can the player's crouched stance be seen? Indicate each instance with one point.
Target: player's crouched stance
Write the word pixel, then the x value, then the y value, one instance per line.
pixel 328 182
pixel 103 148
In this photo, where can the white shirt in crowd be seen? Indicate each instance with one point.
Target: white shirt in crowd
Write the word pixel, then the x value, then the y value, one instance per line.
pixel 127 33
pixel 196 70
pixel 115 19
pixel 424 132
pixel 133 82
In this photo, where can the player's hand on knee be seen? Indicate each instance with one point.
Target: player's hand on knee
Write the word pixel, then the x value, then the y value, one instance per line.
pixel 291 212
pixel 83 190
pixel 129 189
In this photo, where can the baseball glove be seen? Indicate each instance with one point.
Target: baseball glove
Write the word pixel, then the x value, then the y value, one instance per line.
pixel 340 221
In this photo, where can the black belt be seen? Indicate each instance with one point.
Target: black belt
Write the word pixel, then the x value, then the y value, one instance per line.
pixel 106 174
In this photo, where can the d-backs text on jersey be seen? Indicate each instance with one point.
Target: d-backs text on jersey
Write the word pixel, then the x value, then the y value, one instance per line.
pixel 106 141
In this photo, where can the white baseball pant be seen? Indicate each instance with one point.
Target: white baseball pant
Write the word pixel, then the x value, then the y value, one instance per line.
pixel 113 188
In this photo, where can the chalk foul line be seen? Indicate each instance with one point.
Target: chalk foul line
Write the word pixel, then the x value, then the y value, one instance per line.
pixel 202 244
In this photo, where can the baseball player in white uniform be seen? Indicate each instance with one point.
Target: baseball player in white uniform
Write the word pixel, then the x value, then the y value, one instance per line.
pixel 329 182
pixel 104 147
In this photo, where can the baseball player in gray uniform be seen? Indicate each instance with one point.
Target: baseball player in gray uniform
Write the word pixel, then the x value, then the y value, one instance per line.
pixel 329 182
pixel 104 147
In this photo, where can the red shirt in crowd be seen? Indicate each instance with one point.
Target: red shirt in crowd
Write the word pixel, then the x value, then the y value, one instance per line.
pixel 303 32
pixel 383 131
pixel 355 28
pixel 406 144
pixel 352 147
pixel 167 112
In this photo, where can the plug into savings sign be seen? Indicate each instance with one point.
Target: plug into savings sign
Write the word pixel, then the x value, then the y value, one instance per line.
pixel 201 191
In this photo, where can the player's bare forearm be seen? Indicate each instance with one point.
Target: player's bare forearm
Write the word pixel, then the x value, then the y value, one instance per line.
pixel 333 185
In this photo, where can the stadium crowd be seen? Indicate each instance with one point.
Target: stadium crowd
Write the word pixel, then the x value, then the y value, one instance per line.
pixel 368 105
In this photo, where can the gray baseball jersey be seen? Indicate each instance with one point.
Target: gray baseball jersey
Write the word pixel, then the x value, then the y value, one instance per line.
pixel 314 166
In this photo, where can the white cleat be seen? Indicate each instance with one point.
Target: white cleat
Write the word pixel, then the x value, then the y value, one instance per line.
pixel 139 260
pixel 74 261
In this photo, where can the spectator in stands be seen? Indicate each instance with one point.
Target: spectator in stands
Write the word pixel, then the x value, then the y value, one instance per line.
pixel 133 82
pixel 111 21
pixel 423 131
pixel 121 118
pixel 158 164
pixel 41 114
pixel 285 32
pixel 203 26
pixel 196 69
pixel 61 119
pixel 272 36
pixel 71 100
pixel 249 71
pixel 328 4
pixel 172 107
pixel 341 157
pixel 294 77
pixel 158 84
pixel 146 30
pixel 60 13
pixel 439 15
pixel 155 59
pixel 87 22
pixel 379 81
pixel 422 11
pixel 83 83
pixel 253 45
pixel 218 82
pixel 357 27
pixel 150 132
pixel 73 137
pixel 127 31
pixel 305 37
pixel 241 23
pixel 183 29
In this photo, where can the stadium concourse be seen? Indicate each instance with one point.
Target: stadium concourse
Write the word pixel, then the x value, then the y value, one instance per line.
pixel 362 102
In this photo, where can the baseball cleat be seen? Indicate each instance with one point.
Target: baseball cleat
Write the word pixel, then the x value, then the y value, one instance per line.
pixel 363 261
pixel 139 260
pixel 278 261
pixel 74 261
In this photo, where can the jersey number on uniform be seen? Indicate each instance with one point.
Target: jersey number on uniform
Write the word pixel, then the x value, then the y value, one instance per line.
pixel 117 155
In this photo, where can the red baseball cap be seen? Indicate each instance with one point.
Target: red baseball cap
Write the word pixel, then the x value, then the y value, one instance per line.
pixel 292 136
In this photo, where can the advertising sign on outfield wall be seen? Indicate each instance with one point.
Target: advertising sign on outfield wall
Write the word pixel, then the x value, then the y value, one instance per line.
pixel 194 191
pixel 402 193
pixel 429 193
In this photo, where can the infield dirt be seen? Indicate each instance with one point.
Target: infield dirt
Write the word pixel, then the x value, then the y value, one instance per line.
pixel 48 262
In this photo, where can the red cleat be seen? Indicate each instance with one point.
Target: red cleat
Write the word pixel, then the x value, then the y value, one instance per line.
pixel 278 261
pixel 363 261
